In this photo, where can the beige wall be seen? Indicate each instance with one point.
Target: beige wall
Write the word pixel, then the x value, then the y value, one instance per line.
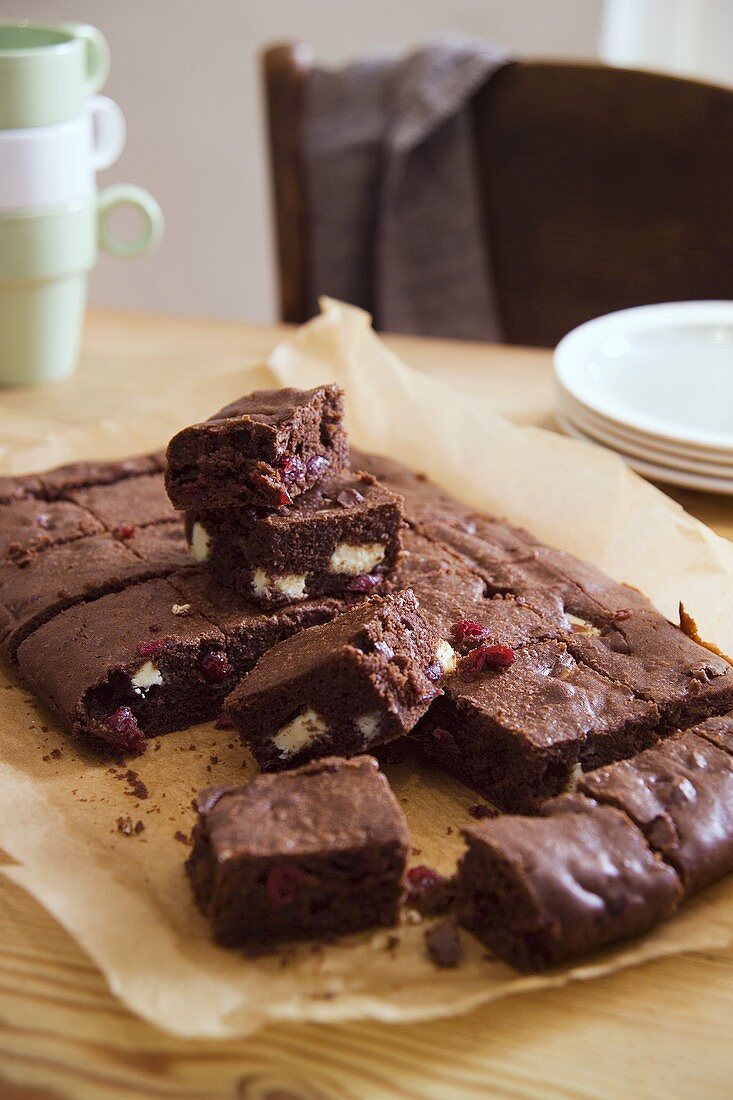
pixel 185 74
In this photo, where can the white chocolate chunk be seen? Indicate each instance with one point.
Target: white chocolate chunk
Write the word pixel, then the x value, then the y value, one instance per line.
pixel 303 730
pixel 291 585
pixel 368 726
pixel 260 582
pixel 181 609
pixel 200 545
pixel 582 626
pixel 355 559
pixel 446 657
pixel 147 676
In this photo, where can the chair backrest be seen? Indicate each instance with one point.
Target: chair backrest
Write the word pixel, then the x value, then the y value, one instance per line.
pixel 601 188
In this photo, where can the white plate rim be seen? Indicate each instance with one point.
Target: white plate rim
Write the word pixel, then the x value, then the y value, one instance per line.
pixel 624 431
pixel 637 448
pixel 664 474
pixel 576 344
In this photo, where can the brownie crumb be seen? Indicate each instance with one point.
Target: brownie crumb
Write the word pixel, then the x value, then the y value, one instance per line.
pixel 44 729
pixel 428 891
pixel 182 838
pixel 444 944
pixel 126 827
pixel 214 759
pixel 137 787
pixel 392 943
pixel 480 810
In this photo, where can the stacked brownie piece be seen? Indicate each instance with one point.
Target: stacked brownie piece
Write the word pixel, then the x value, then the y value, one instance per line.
pixel 271 508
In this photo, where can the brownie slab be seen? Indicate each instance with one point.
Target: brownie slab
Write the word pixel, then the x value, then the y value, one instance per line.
pixel 359 681
pixel 680 794
pixel 541 890
pixel 129 665
pixel 305 853
pixel 263 450
pixel 518 732
pixel 33 591
pixel 29 526
pixel 341 535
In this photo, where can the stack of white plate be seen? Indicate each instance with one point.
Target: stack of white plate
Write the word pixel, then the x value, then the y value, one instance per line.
pixel 655 384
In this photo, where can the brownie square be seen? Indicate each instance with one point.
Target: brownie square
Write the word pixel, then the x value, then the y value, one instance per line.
pixel 162 545
pixel 517 734
pixel 341 535
pixel 644 651
pixel 263 450
pixel 680 794
pixel 131 502
pixel 56 483
pixel 249 630
pixel 33 591
pixel 28 526
pixel 359 681
pixel 301 854
pixel 541 890
pixel 129 665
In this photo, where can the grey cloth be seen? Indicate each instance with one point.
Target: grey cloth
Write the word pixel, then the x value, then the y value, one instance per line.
pixel 395 224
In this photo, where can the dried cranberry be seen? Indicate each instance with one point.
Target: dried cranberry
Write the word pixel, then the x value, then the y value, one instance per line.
pixel 420 880
pixel 364 583
pixel 284 498
pixel 468 630
pixel 151 647
pixel 316 467
pixel 622 615
pixel 292 469
pixel 282 884
pixel 434 671
pixel 215 667
pixel 122 731
pixel 489 658
pixel 124 531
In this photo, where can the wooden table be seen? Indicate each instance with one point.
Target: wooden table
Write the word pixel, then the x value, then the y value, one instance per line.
pixel 661 1030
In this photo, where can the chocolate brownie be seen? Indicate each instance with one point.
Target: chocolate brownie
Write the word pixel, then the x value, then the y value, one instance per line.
pixel 542 890
pixel 305 853
pixel 34 590
pixel 19 488
pixel 341 535
pixel 132 666
pixel 657 661
pixel 719 731
pixel 359 681
pixel 680 794
pixel 263 450
pixel 249 630
pixel 162 545
pixel 516 724
pixel 55 484
pixel 132 502
pixel 27 526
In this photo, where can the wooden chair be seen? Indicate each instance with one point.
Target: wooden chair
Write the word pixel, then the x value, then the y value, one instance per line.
pixel 601 188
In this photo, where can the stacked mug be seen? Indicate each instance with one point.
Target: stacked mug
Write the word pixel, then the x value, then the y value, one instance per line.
pixel 56 132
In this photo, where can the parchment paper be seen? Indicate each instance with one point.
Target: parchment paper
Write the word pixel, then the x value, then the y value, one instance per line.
pixel 125 897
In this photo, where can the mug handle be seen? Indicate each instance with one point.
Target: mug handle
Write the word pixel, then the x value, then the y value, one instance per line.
pixel 108 131
pixel 97 54
pixel 128 194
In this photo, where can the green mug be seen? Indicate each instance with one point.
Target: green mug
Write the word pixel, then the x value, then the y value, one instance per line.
pixel 48 73
pixel 45 260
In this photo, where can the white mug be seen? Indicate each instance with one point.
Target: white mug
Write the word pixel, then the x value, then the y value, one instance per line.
pixel 46 166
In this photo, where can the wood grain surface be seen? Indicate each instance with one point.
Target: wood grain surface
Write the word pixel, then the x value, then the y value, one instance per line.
pixel 661 1030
